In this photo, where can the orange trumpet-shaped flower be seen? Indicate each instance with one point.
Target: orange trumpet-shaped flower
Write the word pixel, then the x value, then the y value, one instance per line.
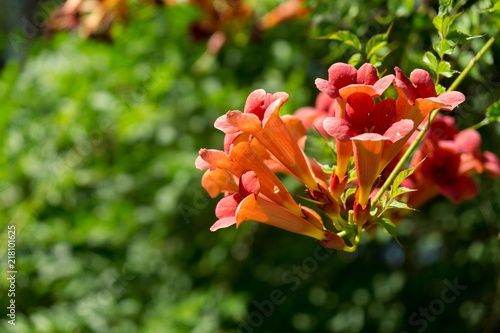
pixel 344 81
pixel 417 96
pixel 265 211
pixel 262 197
pixel 373 129
pixel 273 134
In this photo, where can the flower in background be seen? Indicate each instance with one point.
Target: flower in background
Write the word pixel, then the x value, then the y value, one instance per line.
pixel 448 160
pixel 417 96
pixel 314 116
pixel 93 18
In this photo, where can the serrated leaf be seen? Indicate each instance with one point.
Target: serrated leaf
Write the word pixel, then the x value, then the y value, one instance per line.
pixel 460 37
pixel 443 47
pixel 396 204
pixel 444 69
pixel 439 24
pixel 430 60
pixel 442 22
pixel 346 37
pixel 440 89
pixel 493 112
pixel 388 225
pixel 355 59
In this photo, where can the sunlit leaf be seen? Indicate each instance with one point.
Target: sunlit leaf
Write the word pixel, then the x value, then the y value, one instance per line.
pixel 396 204
pixel 346 37
pixel 444 69
pixel 374 44
pixel 402 190
pixel 443 47
pixel 402 175
pixel 388 225
pixel 442 22
pixel 348 193
pixel 355 59
pixel 430 60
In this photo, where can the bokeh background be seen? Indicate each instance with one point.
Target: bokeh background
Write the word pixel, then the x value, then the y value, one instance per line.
pixel 99 130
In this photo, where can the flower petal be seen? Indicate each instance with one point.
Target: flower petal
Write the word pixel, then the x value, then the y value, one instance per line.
pixel 268 212
pixel 382 84
pixel 201 164
pixel 226 207
pixel 450 99
pixel 269 184
pixel 491 164
pixel 463 188
pixel 367 156
pixel 399 130
pixel 373 91
pixel 341 75
pixel 469 141
pixel 424 85
pixel 337 128
pixel 367 74
pixel 276 137
pixel 249 184
pixel 246 122
pixel 223 223
pixel 327 88
pixel 222 125
pixel 217 181
pixel 221 160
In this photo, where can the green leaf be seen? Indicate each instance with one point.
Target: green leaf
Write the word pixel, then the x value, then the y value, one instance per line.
pixel 440 89
pixel 396 204
pixel 439 23
pixel 348 193
pixel 495 6
pixel 326 168
pixel 443 47
pixel 460 37
pixel 355 59
pixel 493 112
pixel 374 44
pixel 402 190
pixel 388 225
pixel 402 175
pixel 431 61
pixel 442 22
pixel 346 37
pixel 444 69
pixel 383 200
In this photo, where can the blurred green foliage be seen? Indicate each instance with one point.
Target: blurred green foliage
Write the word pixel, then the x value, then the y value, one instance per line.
pixel 97 174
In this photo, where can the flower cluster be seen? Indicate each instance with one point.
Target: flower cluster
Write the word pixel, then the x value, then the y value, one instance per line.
pixel 219 19
pixel 369 132
pixel 447 160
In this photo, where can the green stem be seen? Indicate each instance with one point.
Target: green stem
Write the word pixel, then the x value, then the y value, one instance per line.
pixel 433 115
pixel 471 64
pixel 480 124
